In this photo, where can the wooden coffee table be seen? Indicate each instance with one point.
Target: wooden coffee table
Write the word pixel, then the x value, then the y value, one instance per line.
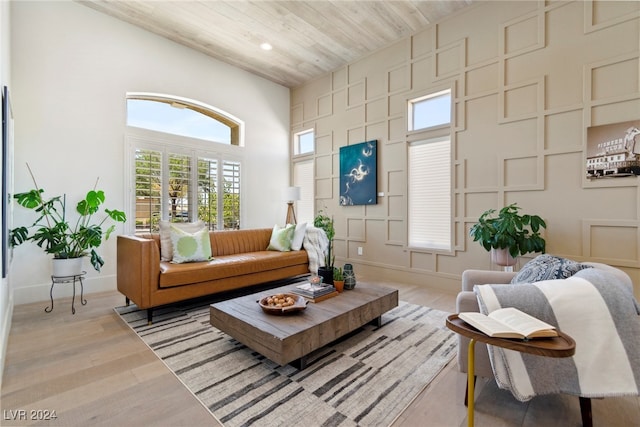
pixel 290 338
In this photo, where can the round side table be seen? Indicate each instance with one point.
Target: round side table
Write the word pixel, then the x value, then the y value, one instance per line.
pixel 561 346
pixel 68 279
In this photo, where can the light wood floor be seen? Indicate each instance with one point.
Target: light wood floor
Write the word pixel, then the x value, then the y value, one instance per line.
pixel 91 369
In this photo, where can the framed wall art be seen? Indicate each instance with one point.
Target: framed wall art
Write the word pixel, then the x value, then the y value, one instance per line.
pixel 358 174
pixel 613 150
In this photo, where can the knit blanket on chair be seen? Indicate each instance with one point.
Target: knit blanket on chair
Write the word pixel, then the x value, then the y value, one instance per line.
pixel 598 310
pixel 315 243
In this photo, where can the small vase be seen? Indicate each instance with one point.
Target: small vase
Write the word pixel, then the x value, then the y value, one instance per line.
pixel 349 277
pixel 339 285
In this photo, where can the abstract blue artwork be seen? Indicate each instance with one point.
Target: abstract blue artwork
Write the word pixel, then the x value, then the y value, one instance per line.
pixel 358 174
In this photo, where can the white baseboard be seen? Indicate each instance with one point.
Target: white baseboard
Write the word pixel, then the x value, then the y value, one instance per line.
pixel 40 292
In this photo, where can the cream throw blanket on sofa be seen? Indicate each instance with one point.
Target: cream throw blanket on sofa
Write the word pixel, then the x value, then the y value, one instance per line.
pixel 315 243
pixel 597 309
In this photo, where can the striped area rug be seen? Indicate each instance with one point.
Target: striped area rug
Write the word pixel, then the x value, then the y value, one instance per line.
pixel 365 379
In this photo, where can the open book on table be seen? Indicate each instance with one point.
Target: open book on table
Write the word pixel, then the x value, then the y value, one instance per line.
pixel 509 323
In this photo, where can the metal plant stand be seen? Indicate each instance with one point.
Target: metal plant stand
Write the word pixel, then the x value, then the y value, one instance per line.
pixel 68 279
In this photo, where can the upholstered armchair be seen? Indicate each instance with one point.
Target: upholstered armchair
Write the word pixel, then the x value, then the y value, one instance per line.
pixel 467 301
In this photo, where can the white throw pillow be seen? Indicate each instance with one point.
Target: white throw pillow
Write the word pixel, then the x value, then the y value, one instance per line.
pixel 166 247
pixel 190 247
pixel 298 236
pixel 281 238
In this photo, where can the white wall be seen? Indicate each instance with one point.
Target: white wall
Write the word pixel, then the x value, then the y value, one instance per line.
pixel 72 68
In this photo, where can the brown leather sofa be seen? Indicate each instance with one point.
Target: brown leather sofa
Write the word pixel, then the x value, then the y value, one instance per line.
pixel 240 259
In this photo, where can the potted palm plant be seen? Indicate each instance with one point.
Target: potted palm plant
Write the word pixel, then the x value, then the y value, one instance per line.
pixel 508 234
pixel 325 222
pixel 54 232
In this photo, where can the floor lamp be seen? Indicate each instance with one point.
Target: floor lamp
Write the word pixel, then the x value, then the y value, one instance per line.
pixel 291 194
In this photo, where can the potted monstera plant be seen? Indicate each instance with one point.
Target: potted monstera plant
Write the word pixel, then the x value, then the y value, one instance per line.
pixel 63 237
pixel 508 234
pixel 325 222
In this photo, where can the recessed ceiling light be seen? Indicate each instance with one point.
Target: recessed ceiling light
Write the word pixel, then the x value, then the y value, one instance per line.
pixel 266 46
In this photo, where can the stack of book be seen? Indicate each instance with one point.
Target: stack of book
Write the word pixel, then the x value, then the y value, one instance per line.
pixel 314 292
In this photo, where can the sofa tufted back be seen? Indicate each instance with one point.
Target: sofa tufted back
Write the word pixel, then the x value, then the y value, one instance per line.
pixel 231 242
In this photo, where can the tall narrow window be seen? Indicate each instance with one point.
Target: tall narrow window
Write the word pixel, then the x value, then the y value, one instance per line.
pixel 430 194
pixel 303 178
pixel 429 172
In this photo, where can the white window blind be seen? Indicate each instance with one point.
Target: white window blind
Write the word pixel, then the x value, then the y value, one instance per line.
pixel 430 194
pixel 303 178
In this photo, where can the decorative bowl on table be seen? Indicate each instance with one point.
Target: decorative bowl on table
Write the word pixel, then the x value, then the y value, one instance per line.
pixel 280 304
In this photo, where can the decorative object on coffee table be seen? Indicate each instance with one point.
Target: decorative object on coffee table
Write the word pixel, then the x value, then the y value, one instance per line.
pixel 338 279
pixel 280 304
pixel 326 223
pixel 349 277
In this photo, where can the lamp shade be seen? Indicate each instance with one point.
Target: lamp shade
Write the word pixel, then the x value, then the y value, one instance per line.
pixel 291 194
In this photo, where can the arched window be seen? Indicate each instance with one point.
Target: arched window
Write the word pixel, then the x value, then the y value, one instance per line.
pixel 185 162
pixel 180 116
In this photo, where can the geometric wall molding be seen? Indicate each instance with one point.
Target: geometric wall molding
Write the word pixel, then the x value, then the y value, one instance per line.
pixel 597 238
pixel 396 233
pixel 297 115
pixel 449 60
pixel 523 173
pixel 598 17
pixel 324 106
pixel 356 94
pixel 523 34
pixel 527 79
pixel 522 100
pixel 356 229
pixel 614 78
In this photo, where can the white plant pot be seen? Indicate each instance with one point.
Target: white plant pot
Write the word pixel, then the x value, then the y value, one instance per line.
pixel 502 257
pixel 67 267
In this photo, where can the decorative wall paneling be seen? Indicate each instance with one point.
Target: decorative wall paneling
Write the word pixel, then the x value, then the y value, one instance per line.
pixel 528 79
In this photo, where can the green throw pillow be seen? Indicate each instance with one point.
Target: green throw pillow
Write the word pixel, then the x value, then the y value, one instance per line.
pixel 190 247
pixel 166 247
pixel 281 238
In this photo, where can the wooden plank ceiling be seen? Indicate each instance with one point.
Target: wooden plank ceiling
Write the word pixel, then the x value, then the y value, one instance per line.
pixel 309 38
